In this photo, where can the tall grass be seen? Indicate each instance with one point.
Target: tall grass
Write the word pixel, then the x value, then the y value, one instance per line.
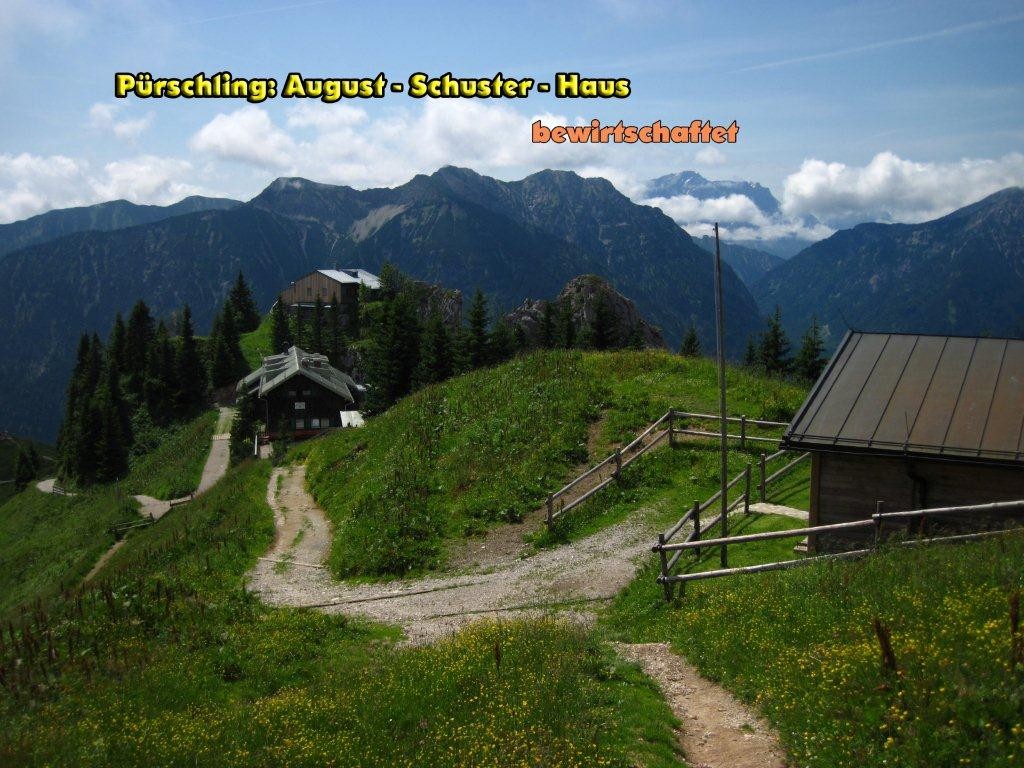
pixel 805 647
pixel 173 468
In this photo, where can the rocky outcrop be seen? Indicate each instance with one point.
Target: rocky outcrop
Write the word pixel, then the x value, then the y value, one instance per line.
pixel 582 295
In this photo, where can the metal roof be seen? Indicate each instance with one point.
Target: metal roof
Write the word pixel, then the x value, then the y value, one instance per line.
pixel 368 279
pixel 953 397
pixel 277 369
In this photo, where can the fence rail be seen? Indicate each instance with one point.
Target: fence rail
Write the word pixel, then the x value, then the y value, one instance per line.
pixel 563 500
pixel 876 521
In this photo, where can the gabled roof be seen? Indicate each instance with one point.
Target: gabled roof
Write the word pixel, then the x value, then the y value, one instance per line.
pixel 360 276
pixel 277 369
pixel 953 397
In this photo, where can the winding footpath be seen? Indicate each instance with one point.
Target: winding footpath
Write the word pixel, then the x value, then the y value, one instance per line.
pixel 716 730
pixel 215 468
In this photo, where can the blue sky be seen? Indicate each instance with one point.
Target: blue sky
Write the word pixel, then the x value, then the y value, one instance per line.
pixel 885 110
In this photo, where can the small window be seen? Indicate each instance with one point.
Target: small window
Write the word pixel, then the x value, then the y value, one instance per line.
pixel 291 393
pixel 314 423
pixel 306 393
pixel 300 423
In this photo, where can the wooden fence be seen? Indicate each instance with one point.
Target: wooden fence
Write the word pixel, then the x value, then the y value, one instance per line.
pixel 693 540
pixel 673 423
pixel 876 522
pixel 121 529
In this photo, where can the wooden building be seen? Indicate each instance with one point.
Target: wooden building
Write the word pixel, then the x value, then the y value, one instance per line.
pixel 914 422
pixel 328 285
pixel 300 394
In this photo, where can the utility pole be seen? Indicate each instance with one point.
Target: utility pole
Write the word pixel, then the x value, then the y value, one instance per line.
pixel 722 415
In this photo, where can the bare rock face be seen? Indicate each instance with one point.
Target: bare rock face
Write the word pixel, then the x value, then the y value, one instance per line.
pixel 581 294
pixel 433 297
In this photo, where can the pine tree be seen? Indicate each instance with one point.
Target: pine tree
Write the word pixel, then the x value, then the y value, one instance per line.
pixel 24 472
pixel 751 358
pixel 226 361
pixel 810 359
pixel 336 341
pixel 478 322
pixel 548 333
pixel 435 363
pixel 461 358
pixel 280 328
pixel 566 325
pixel 161 377
pixel 110 447
pixel 118 341
pixel 190 371
pixel 139 335
pixel 604 330
pixel 501 343
pixel 774 352
pixel 393 352
pixel 316 336
pixel 691 343
pixel 247 314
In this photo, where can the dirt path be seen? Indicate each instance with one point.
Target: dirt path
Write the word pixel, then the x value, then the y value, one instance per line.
pixel 215 468
pixel 717 730
pixel 569 579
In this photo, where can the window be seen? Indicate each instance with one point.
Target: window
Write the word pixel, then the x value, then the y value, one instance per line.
pixel 325 422
pixel 314 423
pixel 306 393
pixel 291 393
pixel 300 423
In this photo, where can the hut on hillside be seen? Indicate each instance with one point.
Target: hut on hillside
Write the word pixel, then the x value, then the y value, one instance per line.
pixel 915 422
pixel 301 395
pixel 329 285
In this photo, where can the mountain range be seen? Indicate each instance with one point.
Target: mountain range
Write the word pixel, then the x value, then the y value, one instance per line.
pixel 960 274
pixel 749 264
pixel 116 214
pixel 513 240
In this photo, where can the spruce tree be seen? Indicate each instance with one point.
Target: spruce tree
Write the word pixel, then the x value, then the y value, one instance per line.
pixel 548 332
pixel 280 328
pixel 161 377
pixel 190 373
pixel 691 343
pixel 24 473
pixel 566 325
pixel 751 358
pixel 774 352
pixel 604 330
pixel 226 361
pixel 435 363
pixel 501 343
pixel 111 443
pixel 139 335
pixel 247 314
pixel 393 354
pixel 336 342
pixel 810 359
pixel 118 341
pixel 478 322
pixel 316 335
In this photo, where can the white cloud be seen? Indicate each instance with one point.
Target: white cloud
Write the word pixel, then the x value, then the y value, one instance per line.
pixel 710 156
pixel 104 117
pixel 247 136
pixel 892 189
pixel 732 208
pixel 343 144
pixel 32 184
pixel 21 20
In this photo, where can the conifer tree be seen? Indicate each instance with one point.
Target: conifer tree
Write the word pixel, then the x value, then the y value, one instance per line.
pixel 280 328
pixel 226 361
pixel 435 363
pixel 336 342
pixel 118 341
pixel 566 325
pixel 111 453
pixel 24 472
pixel 774 352
pixel 751 358
pixel 478 322
pixel 161 377
pixel 810 358
pixel 190 373
pixel 501 344
pixel 316 336
pixel 139 335
pixel 548 332
pixel 247 314
pixel 604 331
pixel 394 352
pixel 691 343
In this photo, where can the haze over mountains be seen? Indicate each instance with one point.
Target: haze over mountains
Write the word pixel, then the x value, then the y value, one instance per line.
pixel 512 239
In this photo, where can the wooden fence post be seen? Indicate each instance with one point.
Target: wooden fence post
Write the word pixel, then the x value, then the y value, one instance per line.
pixel 743 432
pixel 746 491
pixel 618 463
pixel 551 508
pixel 764 484
pixel 666 585
pixel 879 509
pixel 696 525
pixel 672 428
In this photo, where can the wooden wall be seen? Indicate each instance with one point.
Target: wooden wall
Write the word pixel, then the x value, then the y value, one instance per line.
pixel 306 289
pixel 845 487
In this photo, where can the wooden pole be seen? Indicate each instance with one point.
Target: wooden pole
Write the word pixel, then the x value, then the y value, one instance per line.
pixel 743 432
pixel 723 417
pixel 746 490
pixel 618 463
pixel 696 525
pixel 551 508
pixel 764 482
pixel 672 428
pixel 879 509
pixel 666 585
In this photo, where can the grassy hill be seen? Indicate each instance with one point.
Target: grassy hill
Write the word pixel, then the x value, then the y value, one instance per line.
pixel 487 447
pixel 173 468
